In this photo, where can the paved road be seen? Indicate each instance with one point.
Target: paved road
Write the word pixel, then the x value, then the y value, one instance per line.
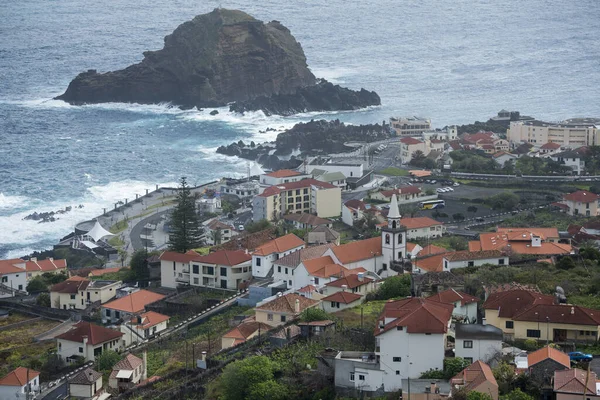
pixel 135 232
pixel 58 393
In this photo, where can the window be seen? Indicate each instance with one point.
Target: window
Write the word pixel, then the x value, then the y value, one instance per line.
pixel 468 344
pixel 399 255
pixel 351 376
pixel 298 191
pixel 397 372
pixel 195 269
pixel 117 314
pixel 446 264
pixel 397 359
pixel 289 283
pixel 471 264
pixel 278 268
pixel 399 328
pixel 316 281
pixel 283 318
pixel 361 377
pixel 400 239
pixel 469 360
pixel 533 333
pixel 501 261
pixel 286 271
pixel 384 266
pixel 72 297
pixel 173 266
pixel 108 313
pixel 196 281
pixel 258 262
pixel 269 317
pixel 81 349
pixel 223 271
pixel 509 325
pixel 210 270
pixel 387 238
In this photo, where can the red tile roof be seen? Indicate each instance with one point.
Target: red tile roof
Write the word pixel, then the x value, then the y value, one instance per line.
pixel 518 240
pixel 130 362
pixel 581 196
pixel 304 183
pixel 551 353
pixel 430 250
pixel 418 315
pixel 473 255
pixel 47 265
pixel 246 329
pixel 71 285
pixel 283 173
pixel 511 303
pixel 401 190
pixel 307 289
pixel 451 296
pixel 574 381
pixel 433 263
pixel 324 267
pixel 343 297
pixel 419 222
pixel 149 319
pixel 18 377
pixel 351 281
pixel 358 251
pixel 178 257
pixel 410 141
pixel 474 375
pixel 96 334
pixel 134 302
pixel 8 266
pixel 286 304
pixel 279 245
pixel 103 271
pixel 560 313
pixel 550 146
pixel 356 204
pixel 307 219
pixel 294 259
pixel 225 257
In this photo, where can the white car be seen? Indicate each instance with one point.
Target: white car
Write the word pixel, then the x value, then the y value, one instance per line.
pixel 456 184
pixel 440 190
pixel 449 189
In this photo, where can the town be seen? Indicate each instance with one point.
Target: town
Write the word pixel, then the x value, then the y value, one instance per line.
pixel 458 262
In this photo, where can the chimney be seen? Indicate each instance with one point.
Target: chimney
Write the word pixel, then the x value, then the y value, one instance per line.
pixel 344 287
pixel 433 387
pixel 203 356
pixel 34 259
pixel 50 258
pixel 85 342
pixel 361 276
pixel 572 310
pixel 297 306
pixel 145 366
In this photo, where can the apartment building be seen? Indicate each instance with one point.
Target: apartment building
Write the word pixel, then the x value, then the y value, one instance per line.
pixel 407 126
pixel 126 307
pixel 223 269
pixel 571 133
pixel 306 196
pixel 77 293
pixel 282 176
pixel 265 255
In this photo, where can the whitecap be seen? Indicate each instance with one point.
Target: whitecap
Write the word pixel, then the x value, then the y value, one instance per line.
pixel 10 202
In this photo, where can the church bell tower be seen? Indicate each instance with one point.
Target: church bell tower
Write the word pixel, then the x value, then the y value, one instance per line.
pixel 393 237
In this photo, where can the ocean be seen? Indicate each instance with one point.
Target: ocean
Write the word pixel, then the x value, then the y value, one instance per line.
pixel 453 61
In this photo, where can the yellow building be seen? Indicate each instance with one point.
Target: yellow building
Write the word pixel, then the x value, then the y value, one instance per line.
pixel 582 202
pixel 283 309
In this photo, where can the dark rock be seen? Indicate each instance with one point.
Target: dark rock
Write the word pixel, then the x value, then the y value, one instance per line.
pixel 214 59
pixel 214 112
pixel 324 96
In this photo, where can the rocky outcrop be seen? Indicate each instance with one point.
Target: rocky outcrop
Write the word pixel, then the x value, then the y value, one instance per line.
pixel 212 60
pixel 324 96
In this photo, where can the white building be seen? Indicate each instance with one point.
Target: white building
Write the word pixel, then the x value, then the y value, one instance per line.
pixel 410 126
pixel 127 373
pixel 87 384
pixel 317 272
pixel 217 230
pixel 264 256
pixel 282 176
pixel 422 227
pixel 223 269
pixel 572 159
pixel 209 205
pixel 354 283
pixel 284 268
pixel 348 170
pixel 143 326
pixel 335 178
pixel 353 211
pixel 478 342
pixel 126 307
pixel 88 341
pixel 393 236
pixel 462 259
pixel 16 383
pixel 241 189
pixel 175 268
pixel 465 305
pixel 340 301
pixel 78 293
pixel 12 278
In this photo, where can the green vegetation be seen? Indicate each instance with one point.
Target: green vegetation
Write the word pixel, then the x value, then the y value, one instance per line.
pixel 43 300
pixel 473 395
pixel 420 160
pixel 503 201
pixel 253 227
pixel 107 360
pixel 251 378
pixel 392 288
pixel 393 171
pixel 471 161
pixel 452 366
pixel 139 263
pixel 185 225
pixel 41 283
pixel 120 226
pixel 449 242
pixel 124 274
pixel 116 242
pixel 314 314
pixel 543 218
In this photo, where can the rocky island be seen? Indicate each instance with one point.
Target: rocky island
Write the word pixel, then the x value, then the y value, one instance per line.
pixel 223 57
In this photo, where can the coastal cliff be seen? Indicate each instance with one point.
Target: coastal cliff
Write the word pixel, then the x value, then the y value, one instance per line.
pixel 223 57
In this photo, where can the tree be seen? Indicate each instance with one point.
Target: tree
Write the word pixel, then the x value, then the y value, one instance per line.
pixel 453 366
pixel 394 286
pixel 505 375
pixel 107 360
pixel 517 394
pixel 409 210
pixel 566 263
pixel 185 231
pixel 36 285
pixel 240 377
pixel 216 236
pixel 314 314
pixel 268 390
pixel 472 209
pixel 473 395
pixel 507 201
pixel 139 264
pixel 418 158
pixel 43 300
pixel 458 216
pixel 253 227
pixel 123 256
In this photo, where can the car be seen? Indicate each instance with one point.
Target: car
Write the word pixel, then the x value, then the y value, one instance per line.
pixel 241 228
pixel 456 184
pixel 449 189
pixel 479 219
pixel 579 356
pixel 433 182
pixel 440 190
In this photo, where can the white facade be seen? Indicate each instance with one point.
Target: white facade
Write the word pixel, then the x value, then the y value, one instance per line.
pixel 67 348
pixel 173 272
pixel 350 215
pixel 393 237
pixel 349 170
pixel 132 333
pixel 18 392
pixel 466 311
pixel 14 281
pixel 268 180
pixel 426 232
pixel 477 349
pixel 219 276
pixel 285 274
pixel 450 265
pixel 574 162
pixel 85 391
pixel 262 264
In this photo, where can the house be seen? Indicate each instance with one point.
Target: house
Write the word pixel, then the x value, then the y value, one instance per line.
pixel 284 267
pixel 407 329
pixel 465 305
pixel 574 384
pixel 315 328
pixel 354 283
pixel 549 148
pixel 87 384
pixel 283 309
pixel 502 157
pixel 265 255
pixel 307 221
pixel 403 194
pixel 430 250
pixel 125 307
pixel 422 227
pixel 475 342
pixel 407 126
pixel 542 364
pixel 477 377
pixel 16 383
pixel 572 159
pixel 357 373
pixel 223 269
pixel 88 341
pixel 409 146
pixel 317 271
pixel 529 241
pixel 242 189
pixel 143 326
pixel 336 178
pixel 430 263
pixel 353 211
pixel 582 202
pixel 216 232
pixel 242 332
pixel 365 253
pixel 127 373
pixel 322 235
pixel 308 195
pixel 349 170
pixel 341 300
pixel 209 204
pixel 78 293
pixel 35 267
pixel 13 279
pixel 426 389
pixel 282 176
pixel 466 258
pixel 175 268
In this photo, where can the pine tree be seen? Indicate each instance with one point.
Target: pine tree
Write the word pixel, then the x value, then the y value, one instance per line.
pixel 185 231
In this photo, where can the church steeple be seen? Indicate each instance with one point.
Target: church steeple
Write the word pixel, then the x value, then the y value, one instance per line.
pixel 394 214
pixel 393 236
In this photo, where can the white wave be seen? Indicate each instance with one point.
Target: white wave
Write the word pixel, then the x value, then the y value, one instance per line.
pixel 11 202
pixel 335 74
pixel 18 253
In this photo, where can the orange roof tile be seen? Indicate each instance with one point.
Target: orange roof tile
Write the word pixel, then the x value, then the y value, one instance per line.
pixel 135 302
pixel 581 196
pixel 343 297
pixel 283 173
pixel 410 141
pixel 351 281
pixel 560 313
pixel 323 267
pixel 419 222
pixel 573 381
pixel 246 329
pixel 8 266
pixel 47 265
pixel 286 303
pixel 18 377
pixel 472 255
pixel 225 257
pixel 96 334
pixel 551 353
pixel 279 245
pixel 474 375
pixel 550 146
pixel 431 264
pixel 149 319
pixel 401 190
pixel 511 303
pixel 71 285
pixel 129 363
pixel 430 250
pixel 178 257
pixel 358 251
pixel 307 289
pixel 418 315
pixel 451 296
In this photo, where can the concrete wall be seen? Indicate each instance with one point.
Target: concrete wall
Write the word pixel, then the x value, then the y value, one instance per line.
pixel 169 271
pixel 482 349
pixel 450 265
pixel 328 202
pixel 332 307
pixel 16 281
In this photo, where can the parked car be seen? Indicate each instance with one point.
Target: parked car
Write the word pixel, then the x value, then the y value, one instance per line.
pixel 440 190
pixel 449 189
pixel 456 184
pixel 579 356
pixel 433 182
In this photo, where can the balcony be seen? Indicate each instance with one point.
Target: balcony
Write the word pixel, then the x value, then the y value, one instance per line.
pixel 183 278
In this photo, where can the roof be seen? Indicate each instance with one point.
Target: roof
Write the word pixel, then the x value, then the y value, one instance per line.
pixel 418 315
pixel 474 375
pixel 343 297
pixel 473 255
pixel 86 376
pixel 330 234
pixel 100 272
pixel 451 296
pixel 294 259
pixel 283 173
pixel 47 265
pixel 430 250
pixel 96 334
pixel 246 329
pixel 513 302
pixel 410 141
pixel 573 381
pixel 178 257
pixel 304 183
pixel 8 266
pixel 433 263
pixel 358 251
pixel 323 267
pixel 308 219
pixel 307 289
pixel 279 245
pixel 149 319
pixel 559 313
pixel 324 176
pixel 325 322
pixel 71 285
pixel 401 190
pixel 18 377
pixel 419 222
pixel 356 204
pixel 225 257
pixel 134 302
pixel 478 332
pixel 216 224
pixel 550 146
pixel 551 353
pixel 286 303
pixel 518 240
pixel 351 281
pixel 581 196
